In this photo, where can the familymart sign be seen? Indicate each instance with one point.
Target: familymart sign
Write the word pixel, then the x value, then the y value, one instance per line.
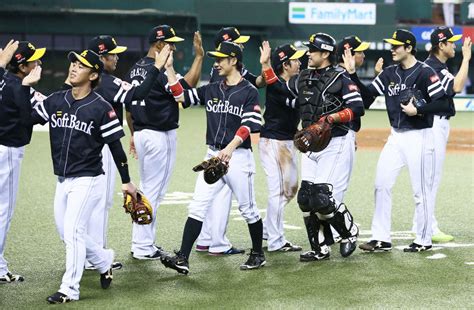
pixel 332 13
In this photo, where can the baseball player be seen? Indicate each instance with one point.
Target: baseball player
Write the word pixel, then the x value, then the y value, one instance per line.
pixel 15 131
pixel 232 112
pixel 117 93
pixel 411 142
pixel 325 174
pixel 212 237
pixel 277 152
pixel 80 123
pixel 443 48
pixel 155 120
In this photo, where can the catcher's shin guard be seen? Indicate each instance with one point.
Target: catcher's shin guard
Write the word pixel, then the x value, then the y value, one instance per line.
pixel 343 222
pixel 311 222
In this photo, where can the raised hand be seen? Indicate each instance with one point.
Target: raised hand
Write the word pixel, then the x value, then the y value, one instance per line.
pixel 162 56
pixel 265 53
pixel 197 44
pixel 33 77
pixel 378 66
pixel 467 49
pixel 349 61
pixel 169 61
pixel 7 52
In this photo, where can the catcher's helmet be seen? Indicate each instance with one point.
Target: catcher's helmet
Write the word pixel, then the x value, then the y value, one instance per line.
pixel 321 42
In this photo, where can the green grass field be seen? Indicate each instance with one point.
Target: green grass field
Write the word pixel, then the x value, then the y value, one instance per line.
pixel 383 280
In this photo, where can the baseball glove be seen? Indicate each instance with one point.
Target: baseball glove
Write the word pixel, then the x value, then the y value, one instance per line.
pixel 410 93
pixel 214 169
pixel 140 209
pixel 315 137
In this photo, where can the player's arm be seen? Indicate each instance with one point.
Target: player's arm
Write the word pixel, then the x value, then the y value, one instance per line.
pixel 24 99
pixel 194 74
pixel 461 76
pixel 131 150
pixel 251 122
pixel 352 100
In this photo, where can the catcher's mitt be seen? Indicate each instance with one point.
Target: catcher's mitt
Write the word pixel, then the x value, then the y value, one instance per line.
pixel 140 209
pixel 214 169
pixel 408 94
pixel 315 137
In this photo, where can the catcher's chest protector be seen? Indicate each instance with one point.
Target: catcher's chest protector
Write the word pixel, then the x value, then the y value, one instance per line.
pixel 314 91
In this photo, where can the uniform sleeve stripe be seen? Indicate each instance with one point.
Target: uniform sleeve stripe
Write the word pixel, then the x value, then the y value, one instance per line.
pixel 289 88
pixel 40 109
pixel 293 103
pixel 437 90
pixel 379 82
pixel 446 82
pixel 109 124
pixel 354 99
pixel 191 97
pixel 436 84
pixel 258 115
pixel 377 87
pixel 117 95
pixel 349 95
pixel 111 131
pixel 251 120
pixel 122 100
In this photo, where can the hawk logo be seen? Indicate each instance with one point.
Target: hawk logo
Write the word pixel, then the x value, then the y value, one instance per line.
pixel 434 78
pixel 31 46
pixel 311 39
pixel 394 36
pixel 84 53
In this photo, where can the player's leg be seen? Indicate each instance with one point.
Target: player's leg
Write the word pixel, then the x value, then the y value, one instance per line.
pixel 240 179
pixel 10 159
pixel 278 160
pixel 156 154
pixel 390 162
pixel 420 153
pixel 81 195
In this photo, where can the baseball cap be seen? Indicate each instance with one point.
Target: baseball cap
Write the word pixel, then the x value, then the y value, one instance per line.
pixel 321 42
pixel 88 58
pixel 105 44
pixel 352 43
pixel 227 49
pixel 230 34
pixel 284 53
pixel 26 52
pixel 163 33
pixel 443 34
pixel 402 37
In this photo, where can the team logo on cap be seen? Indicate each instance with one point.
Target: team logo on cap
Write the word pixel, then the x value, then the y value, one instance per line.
pixel 237 31
pixel 441 35
pixel 292 47
pixel 358 40
pixel 219 47
pixel 311 39
pixel 84 53
pixel 226 37
pixel 113 40
pixel 31 46
pixel 172 31
pixel 394 36
pixel 18 57
pixel 281 55
pixel 101 47
pixel 159 33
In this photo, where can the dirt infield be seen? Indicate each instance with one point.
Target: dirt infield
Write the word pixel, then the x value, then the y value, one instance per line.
pixel 460 140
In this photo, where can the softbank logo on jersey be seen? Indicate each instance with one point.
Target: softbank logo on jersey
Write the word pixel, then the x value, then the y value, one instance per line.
pixel 223 107
pixel 394 89
pixel 71 121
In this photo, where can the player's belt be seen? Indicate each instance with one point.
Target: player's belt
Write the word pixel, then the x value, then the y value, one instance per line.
pixel 217 147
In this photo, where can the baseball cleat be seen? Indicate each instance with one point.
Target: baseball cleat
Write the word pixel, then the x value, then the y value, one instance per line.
pixel 311 256
pixel 179 262
pixel 115 266
pixel 376 246
pixel 106 279
pixel 255 261
pixel 9 278
pixel 231 251
pixel 289 247
pixel 441 237
pixel 155 256
pixel 58 298
pixel 415 247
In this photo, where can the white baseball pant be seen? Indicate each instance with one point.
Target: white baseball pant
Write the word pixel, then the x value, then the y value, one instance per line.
pixel 414 149
pixel 156 152
pixel 279 161
pixel 10 159
pixel 74 202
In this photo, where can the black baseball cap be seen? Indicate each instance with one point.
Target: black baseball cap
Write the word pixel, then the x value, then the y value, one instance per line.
pixel 26 52
pixel 321 42
pixel 88 58
pixel 105 44
pixel 352 43
pixel 227 49
pixel 230 34
pixel 284 53
pixel 443 34
pixel 402 37
pixel 163 33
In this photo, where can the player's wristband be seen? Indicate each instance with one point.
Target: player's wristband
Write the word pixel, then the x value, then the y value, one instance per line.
pixel 243 132
pixel 177 90
pixel 270 76
pixel 345 115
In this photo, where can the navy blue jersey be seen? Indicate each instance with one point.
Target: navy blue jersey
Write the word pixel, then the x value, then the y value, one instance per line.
pixel 215 77
pixel 116 92
pixel 227 108
pixel 16 102
pixel 348 93
pixel 159 110
pixel 394 79
pixel 78 130
pixel 447 81
pixel 281 116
